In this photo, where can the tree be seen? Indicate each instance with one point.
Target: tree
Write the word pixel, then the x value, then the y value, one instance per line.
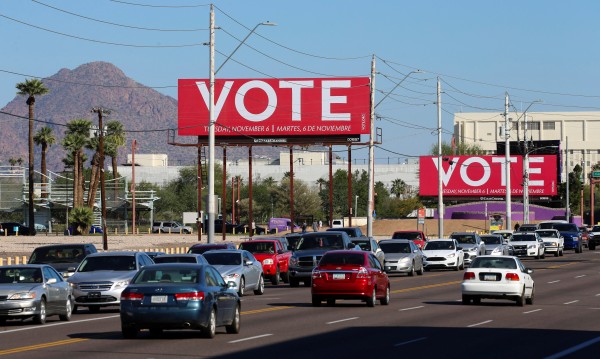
pixel 76 138
pixel 45 138
pixel 115 138
pixel 399 187
pixel 81 219
pixel 462 149
pixel 31 88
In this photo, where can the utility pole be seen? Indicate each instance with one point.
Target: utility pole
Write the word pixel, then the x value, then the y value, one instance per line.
pixel 211 132
pixel 440 179
pixel 371 189
pixel 101 112
pixel 507 164
pixel 525 173
pixel 568 204
pixel 133 146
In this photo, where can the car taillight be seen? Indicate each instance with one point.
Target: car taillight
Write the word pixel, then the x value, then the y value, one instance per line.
pixel 363 273
pixel 468 276
pixel 316 273
pixel 189 296
pixel 132 296
pixel 512 276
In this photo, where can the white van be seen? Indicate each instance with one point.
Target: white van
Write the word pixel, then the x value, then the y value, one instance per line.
pixel 337 223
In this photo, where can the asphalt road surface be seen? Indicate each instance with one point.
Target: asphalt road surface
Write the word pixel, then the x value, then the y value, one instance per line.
pixel 425 319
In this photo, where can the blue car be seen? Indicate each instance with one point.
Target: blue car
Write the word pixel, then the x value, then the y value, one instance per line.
pixel 179 296
pixel 571 234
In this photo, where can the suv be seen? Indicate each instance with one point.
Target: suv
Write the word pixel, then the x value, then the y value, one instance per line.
pixel 200 248
pixel 63 257
pixel 527 227
pixel 101 277
pixel 309 251
pixel 416 236
pixel 594 239
pixel 353 232
pixel 170 227
pixel 274 257
pixel 528 244
pixel 571 234
pixel 470 243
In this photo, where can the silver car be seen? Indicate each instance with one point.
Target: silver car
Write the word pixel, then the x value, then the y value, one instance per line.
pixel 369 244
pixel 495 245
pixel 402 256
pixel 33 291
pixel 471 244
pixel 101 277
pixel 239 266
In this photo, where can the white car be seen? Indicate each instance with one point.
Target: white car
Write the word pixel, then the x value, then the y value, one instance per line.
pixel 553 241
pixel 443 254
pixel 527 244
pixel 497 277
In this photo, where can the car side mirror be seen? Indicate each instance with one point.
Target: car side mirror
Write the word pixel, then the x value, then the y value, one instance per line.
pixel 528 270
pixel 350 246
pixel 248 263
pixel 459 248
pixel 71 269
pixel 51 281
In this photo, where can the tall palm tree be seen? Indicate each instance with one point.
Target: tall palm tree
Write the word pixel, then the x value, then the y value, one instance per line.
pixel 45 138
pixel 399 187
pixel 31 88
pixel 76 138
pixel 115 138
pixel 12 161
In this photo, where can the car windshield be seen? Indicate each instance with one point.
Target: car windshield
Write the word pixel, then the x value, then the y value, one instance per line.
pixel 364 245
pixel 113 263
pixel 487 262
pixel 395 247
pixel 202 249
pixel 259 247
pixel 224 258
pixel 566 227
pixel 321 241
pixel 167 276
pixel 56 255
pixel 464 239
pixel 523 238
pixel 596 229
pixel 406 235
pixel 439 245
pixel 169 259
pixel 548 234
pixel 343 258
pixel 505 235
pixel 20 275
pixel 491 239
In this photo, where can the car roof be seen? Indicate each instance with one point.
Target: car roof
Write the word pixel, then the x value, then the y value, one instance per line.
pixel 176 265
pixel 441 240
pixel 347 251
pixel 26 266
pixel 215 245
pixel 227 251
pixel 182 255
pixel 115 253
pixel 49 246
pixel 399 240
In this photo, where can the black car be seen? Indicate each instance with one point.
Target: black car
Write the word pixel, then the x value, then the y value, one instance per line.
pixel 65 258
pixel 204 247
pixel 14 228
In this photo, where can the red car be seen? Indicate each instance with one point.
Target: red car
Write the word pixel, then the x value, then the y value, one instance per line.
pixel 349 274
pixel 416 236
pixel 274 258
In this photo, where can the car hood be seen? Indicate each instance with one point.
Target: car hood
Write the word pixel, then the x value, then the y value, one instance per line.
pixel 11 288
pixel 396 256
pixel 492 246
pixel 228 269
pixel 102 275
pixel 466 246
pixel 438 252
pixel 312 252
pixel 63 267
pixel 522 243
pixel 262 256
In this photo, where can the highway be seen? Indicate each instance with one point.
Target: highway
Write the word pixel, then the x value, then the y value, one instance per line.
pixel 425 319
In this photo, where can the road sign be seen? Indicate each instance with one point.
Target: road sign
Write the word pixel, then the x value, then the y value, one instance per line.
pixel 596 174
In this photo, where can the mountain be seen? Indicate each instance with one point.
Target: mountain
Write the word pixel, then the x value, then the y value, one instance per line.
pixel 145 113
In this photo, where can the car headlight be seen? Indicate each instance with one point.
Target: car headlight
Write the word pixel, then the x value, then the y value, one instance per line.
pixel 496 250
pixel 294 261
pixel 472 249
pixel 451 255
pixel 232 275
pixel 22 295
pixel 405 259
pixel 74 285
pixel 268 261
pixel 530 246
pixel 121 284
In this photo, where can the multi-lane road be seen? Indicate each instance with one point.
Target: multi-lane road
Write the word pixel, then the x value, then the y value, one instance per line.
pixel 425 319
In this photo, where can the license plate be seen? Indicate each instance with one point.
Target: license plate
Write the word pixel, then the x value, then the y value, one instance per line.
pixel 94 294
pixel 339 276
pixel 158 299
pixel 489 277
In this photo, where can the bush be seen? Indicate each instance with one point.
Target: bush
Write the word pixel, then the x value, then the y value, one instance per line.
pixel 81 219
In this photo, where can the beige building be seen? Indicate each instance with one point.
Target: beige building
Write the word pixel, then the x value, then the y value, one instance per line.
pixel 582 129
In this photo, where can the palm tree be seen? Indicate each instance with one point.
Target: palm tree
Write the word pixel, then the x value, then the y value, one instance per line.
pixel 115 138
pixel 13 162
pixel 44 138
pixel 31 88
pixel 76 138
pixel 398 187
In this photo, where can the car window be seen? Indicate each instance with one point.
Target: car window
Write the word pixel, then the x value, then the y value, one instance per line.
pixel 374 262
pixel 112 263
pixel 490 262
pixel 407 235
pixel 524 238
pixel 491 240
pixel 223 258
pixel 218 277
pixel 464 239
pixel 549 234
pixel 321 242
pixel 259 247
pixel 439 245
pixel 20 275
pixel 395 247
pixel 211 279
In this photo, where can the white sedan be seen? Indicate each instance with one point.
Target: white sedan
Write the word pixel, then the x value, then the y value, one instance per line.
pixel 443 254
pixel 497 277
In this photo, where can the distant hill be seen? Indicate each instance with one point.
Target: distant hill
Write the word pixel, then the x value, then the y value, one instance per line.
pixel 73 93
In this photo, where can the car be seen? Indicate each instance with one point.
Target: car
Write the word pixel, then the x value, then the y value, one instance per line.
pixel 337 223
pixel 505 233
pixel 40 227
pixel 293 239
pixel 402 256
pixel 417 236
pixel 154 254
pixel 274 257
pixel 527 227
pixel 245 229
pixel 16 229
pixel 585 236
pixel 238 266
pixel 347 274
pixel 550 224
pixel 443 254
pixel 200 248
pixel 553 241
pixel 170 227
pixel 497 277
pixel 175 296
pixel 309 251
pixel 34 291
pixel 229 227
pixel 353 232
pixel 527 244
pixel 101 277
pixel 93 230
pixel 471 244
pixel 571 235
pixel 370 245
pixel 180 258
pixel 65 258
pixel 594 240
pixel 495 245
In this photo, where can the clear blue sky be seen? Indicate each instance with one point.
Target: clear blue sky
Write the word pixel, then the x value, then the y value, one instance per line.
pixel 533 50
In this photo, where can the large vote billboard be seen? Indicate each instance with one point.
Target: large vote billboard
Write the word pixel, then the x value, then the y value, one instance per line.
pixel 486 175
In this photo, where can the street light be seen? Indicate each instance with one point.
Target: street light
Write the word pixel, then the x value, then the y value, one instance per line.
pixel 356 206
pixel 526 182
pixel 266 23
pixel 398 84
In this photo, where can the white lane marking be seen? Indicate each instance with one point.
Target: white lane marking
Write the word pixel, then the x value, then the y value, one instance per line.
pixel 341 320
pixel 409 342
pixel 411 308
pixel 581 276
pixel 571 302
pixel 554 281
pixel 532 311
pixel 572 350
pixel 56 324
pixel 250 338
pixel 476 324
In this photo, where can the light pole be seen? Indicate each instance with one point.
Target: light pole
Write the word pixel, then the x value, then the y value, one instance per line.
pixel 356 206
pixel 266 23
pixel 508 199
pixel 526 182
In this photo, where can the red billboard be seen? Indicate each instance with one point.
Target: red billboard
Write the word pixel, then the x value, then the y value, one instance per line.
pixel 486 175
pixel 276 107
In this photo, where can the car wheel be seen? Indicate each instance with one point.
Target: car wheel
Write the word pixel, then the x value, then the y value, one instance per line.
pixel 260 290
pixel 592 247
pixel 316 301
pixel 371 300
pixel 156 332
pixel 426 269
pixel 420 271
pixel 285 277
pixel 307 283
pixel 275 278
pixel 562 252
pixel 242 287
pixel 68 311
pixel 294 283
pixel 543 255
pixel 94 309
pixel 386 300
pixel 521 299
pixel 211 328
pixel 462 265
pixel 40 318
pixel 330 302
pixel 530 299
pixel 466 300
pixel 412 270
pixel 234 327
pixel 129 331
pixel 556 254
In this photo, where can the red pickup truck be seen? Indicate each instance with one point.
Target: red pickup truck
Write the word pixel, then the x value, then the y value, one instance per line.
pixel 274 258
pixel 416 236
